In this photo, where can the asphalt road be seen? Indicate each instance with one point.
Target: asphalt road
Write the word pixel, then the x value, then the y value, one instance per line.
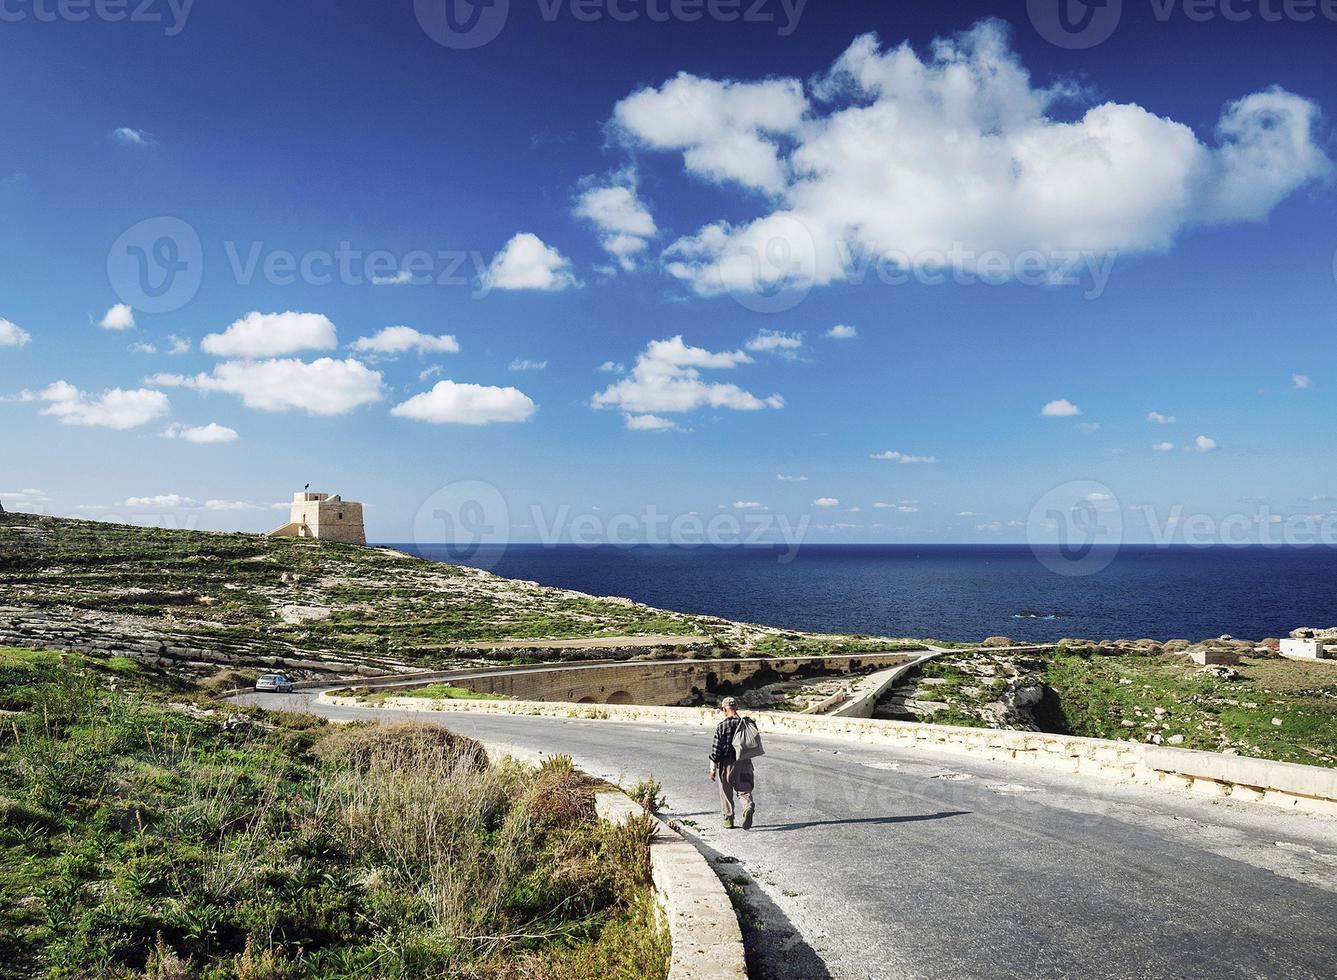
pixel 869 862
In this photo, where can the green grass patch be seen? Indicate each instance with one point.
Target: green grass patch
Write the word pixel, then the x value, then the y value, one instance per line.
pixel 139 837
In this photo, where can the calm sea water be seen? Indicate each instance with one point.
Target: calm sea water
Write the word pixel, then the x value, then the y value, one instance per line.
pixel 949 591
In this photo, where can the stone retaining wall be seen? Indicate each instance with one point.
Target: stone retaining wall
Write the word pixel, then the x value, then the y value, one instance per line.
pixel 100 636
pixel 1309 788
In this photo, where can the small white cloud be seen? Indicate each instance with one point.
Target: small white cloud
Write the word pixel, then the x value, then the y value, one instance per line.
pixel 324 386
pixel 826 502
pixel 12 335
pixel 430 372
pixel 211 434
pixel 648 423
pixel 1204 444
pixel 746 505
pixel 231 505
pixel 113 409
pixel 624 223
pixel 271 334
pixel 127 136
pixel 966 513
pixel 525 364
pixel 401 278
pixel 1160 419
pixel 525 262
pixel 143 348
pixel 667 378
pixel 119 317
pixel 786 478
pixel 449 402
pixel 1301 381
pixel 180 345
pixel 1163 447
pixel 1088 426
pixel 895 456
pixel 775 342
pixel 613 367
pixel 391 341
pixel 167 501
pixel 842 331
pixel 989 527
pixel 1060 408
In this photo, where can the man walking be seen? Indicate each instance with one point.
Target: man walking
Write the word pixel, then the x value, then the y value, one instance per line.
pixel 735 774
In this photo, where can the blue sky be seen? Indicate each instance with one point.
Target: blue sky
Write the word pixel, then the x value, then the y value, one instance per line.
pixel 579 193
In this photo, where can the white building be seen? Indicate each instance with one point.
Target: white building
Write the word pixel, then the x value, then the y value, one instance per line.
pixel 1307 649
pixel 319 515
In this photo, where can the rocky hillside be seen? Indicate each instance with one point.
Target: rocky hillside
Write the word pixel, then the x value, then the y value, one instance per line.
pixel 199 600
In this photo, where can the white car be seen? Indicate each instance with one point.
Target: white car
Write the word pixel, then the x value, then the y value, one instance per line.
pixel 274 682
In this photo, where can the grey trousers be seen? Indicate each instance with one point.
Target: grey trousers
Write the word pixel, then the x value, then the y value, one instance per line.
pixel 735 777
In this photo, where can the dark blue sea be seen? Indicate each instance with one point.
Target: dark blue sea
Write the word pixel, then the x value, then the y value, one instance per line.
pixel 951 592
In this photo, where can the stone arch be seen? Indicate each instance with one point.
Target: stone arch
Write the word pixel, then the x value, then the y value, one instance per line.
pixel 620 697
pixel 587 699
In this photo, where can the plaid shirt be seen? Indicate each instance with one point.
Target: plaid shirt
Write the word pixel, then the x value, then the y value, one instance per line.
pixel 721 752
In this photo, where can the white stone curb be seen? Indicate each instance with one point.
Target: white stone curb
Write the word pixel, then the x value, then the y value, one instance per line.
pixel 707 941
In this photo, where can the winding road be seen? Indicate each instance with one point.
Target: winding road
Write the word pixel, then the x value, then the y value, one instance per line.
pixel 869 862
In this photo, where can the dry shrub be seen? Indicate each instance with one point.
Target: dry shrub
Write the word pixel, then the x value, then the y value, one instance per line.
pixel 398 745
pixel 561 796
pixel 425 803
pixel 229 679
pixel 627 850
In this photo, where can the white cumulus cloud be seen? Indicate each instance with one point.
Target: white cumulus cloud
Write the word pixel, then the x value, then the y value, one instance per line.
pixel 667 378
pixel 952 159
pixel 525 262
pixel 1204 444
pixel 648 423
pixel 467 404
pixel 785 345
pixel 623 222
pixel 117 408
pixel 399 340
pixel 1060 408
pixel 324 386
pixel 12 335
pixel 272 334
pixel 791 478
pixel 842 331
pixel 1160 419
pixel 211 434
pixel 1301 381
pixel 168 501
pixel 1163 447
pixel 826 502
pixel 726 130
pixel 119 317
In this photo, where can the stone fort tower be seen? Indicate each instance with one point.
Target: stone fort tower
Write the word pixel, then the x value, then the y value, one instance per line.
pixel 319 515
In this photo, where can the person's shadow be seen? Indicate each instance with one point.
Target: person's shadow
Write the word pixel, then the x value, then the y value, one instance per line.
pixel 905 818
